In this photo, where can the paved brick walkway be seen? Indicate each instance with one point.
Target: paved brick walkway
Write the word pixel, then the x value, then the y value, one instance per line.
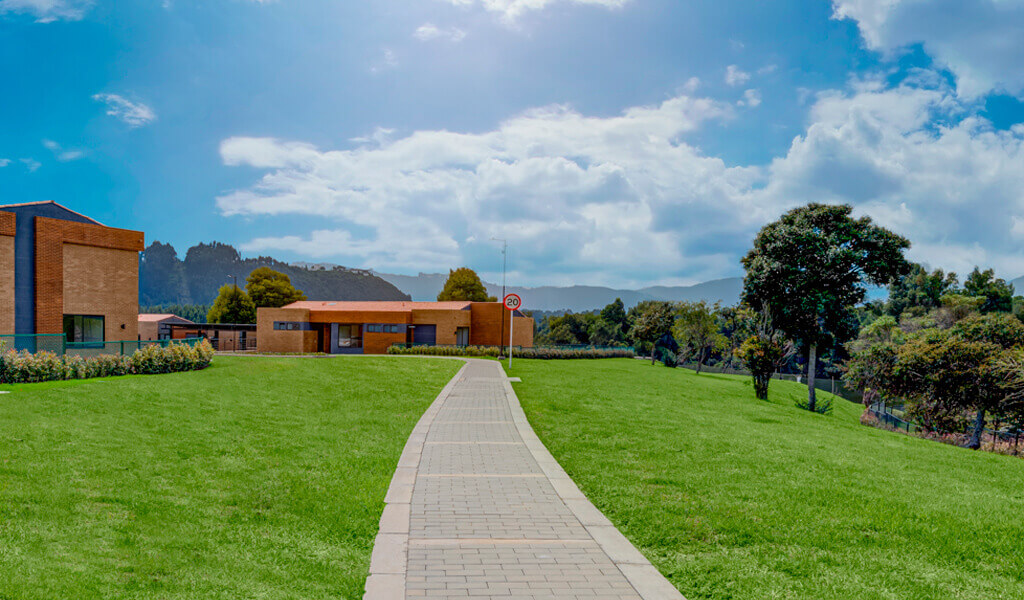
pixel 478 508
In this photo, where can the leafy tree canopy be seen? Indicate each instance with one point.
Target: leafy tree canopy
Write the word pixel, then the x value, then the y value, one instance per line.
pixel 809 269
pixel 232 305
pixel 651 321
pixel 919 288
pixel 696 330
pixel 615 314
pixel 269 288
pixel 997 293
pixel 464 284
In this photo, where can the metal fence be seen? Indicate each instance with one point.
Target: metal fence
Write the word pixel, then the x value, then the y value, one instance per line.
pixel 893 417
pixel 57 344
pixel 234 344
pixel 834 385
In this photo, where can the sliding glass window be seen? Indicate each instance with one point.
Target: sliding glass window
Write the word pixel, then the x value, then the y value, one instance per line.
pixel 83 328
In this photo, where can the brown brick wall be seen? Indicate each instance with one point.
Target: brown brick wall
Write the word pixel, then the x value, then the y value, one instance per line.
pixel 8 220
pixel 447 322
pixel 149 330
pixel 102 281
pixel 378 343
pixel 105 283
pixel 487 329
pixel 269 340
pixel 6 283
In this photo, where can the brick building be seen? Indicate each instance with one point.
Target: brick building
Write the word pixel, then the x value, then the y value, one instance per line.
pixel 371 327
pixel 62 272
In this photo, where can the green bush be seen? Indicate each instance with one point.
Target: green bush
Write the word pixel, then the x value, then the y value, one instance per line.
pixel 25 367
pixel 547 353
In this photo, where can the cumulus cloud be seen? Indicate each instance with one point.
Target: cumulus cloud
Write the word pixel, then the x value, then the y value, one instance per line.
pixel 980 41
pixel 511 10
pixel 4 162
pixel 625 200
pixel 47 11
pixel 428 32
pixel 954 190
pixel 135 114
pixel 31 164
pixel 751 98
pixel 570 191
pixel 734 76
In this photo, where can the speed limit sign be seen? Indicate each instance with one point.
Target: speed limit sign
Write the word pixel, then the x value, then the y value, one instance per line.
pixel 512 302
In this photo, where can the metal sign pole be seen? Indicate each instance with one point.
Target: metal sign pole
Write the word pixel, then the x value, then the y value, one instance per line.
pixel 511 322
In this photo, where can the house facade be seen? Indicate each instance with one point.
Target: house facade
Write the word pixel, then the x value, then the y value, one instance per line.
pixel 62 272
pixel 158 326
pixel 372 327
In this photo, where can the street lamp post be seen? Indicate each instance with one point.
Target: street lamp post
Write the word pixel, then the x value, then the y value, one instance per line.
pixel 504 265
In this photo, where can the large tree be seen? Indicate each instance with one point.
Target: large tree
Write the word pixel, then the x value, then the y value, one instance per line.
pixel 615 314
pixel 464 284
pixel 232 305
pixel 997 293
pixel 696 330
pixel 811 267
pixel 651 320
pixel 270 288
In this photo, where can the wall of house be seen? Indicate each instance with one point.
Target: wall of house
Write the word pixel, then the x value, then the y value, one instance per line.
pixel 273 341
pixel 378 343
pixel 7 231
pixel 149 330
pixel 487 328
pixel 447 322
pixel 101 281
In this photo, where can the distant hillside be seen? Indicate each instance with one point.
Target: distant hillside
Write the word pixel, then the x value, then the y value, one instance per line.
pixel 165 279
pixel 426 286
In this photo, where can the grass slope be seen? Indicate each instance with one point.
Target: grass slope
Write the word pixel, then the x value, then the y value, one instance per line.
pixel 256 478
pixel 736 498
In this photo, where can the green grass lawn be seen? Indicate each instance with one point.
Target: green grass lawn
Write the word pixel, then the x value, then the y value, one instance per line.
pixel 736 498
pixel 256 478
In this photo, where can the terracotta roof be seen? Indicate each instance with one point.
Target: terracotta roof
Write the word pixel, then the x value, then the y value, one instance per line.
pixel 152 318
pixel 377 306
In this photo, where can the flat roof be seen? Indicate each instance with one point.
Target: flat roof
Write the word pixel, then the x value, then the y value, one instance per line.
pixel 384 306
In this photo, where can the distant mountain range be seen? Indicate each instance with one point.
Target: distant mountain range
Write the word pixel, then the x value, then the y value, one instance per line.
pixel 578 298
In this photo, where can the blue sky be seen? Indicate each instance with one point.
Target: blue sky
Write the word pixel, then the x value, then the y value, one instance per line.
pixel 612 142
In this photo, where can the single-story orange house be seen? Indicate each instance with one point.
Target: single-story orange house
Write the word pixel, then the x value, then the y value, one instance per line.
pixel 372 327
pixel 157 326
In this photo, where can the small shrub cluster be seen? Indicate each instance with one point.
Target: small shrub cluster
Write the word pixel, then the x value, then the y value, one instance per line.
pixel 547 353
pixel 25 367
pixel 1009 447
pixel 823 406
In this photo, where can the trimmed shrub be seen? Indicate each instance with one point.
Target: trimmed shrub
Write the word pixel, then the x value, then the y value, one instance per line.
pixel 24 367
pixel 546 353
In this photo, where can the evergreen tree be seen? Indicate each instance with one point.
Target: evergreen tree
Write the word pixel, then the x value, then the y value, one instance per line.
pixel 232 305
pixel 270 288
pixel 464 284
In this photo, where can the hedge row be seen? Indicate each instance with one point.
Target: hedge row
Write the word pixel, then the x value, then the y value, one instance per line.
pixel 493 351
pixel 25 367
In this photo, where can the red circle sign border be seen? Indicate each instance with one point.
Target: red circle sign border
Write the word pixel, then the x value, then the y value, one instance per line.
pixel 505 300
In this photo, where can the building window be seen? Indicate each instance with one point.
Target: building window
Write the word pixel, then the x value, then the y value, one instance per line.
pixel 84 328
pixel 292 326
pixel 462 336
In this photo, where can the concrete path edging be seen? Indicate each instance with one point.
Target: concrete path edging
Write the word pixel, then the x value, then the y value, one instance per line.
pixel 390 560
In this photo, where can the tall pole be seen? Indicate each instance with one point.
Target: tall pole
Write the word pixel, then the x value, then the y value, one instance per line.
pixel 511 324
pixel 504 266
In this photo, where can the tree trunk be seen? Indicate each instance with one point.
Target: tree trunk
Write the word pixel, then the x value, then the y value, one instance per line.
pixel 979 426
pixel 654 348
pixel 700 359
pixel 812 367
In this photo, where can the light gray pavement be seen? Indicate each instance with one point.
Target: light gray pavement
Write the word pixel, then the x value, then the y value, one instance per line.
pixel 478 508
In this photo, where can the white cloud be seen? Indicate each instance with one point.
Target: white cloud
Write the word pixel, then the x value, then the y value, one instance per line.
pixel 734 76
pixel 47 11
pixel 31 164
pixel 751 98
pixel 4 162
pixel 511 10
pixel 981 41
pixel 62 154
pixel 388 60
pixel 569 191
pixel 135 114
pixel 428 32
pixel 624 200
pixel 953 190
